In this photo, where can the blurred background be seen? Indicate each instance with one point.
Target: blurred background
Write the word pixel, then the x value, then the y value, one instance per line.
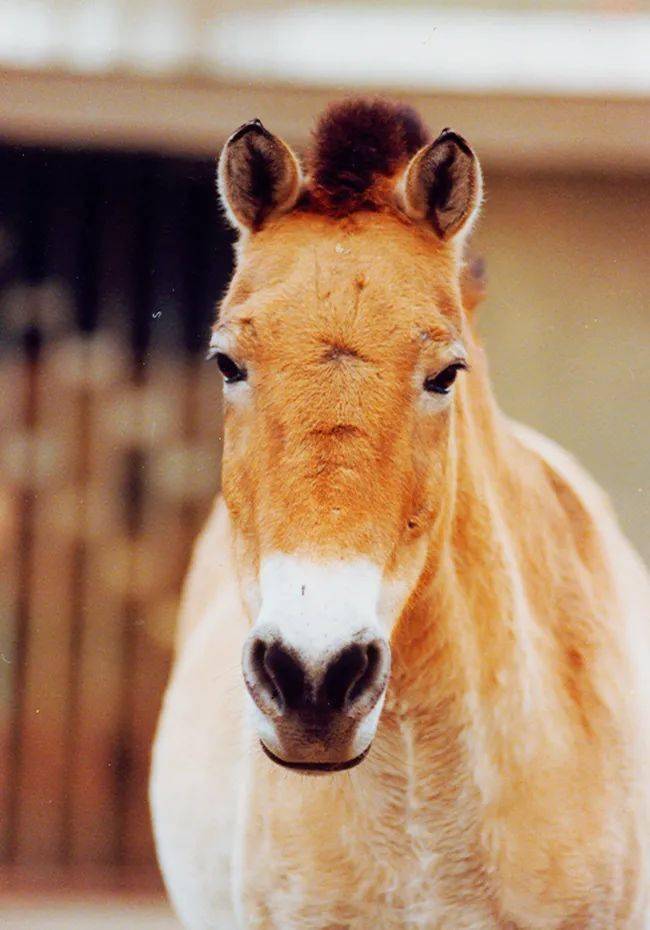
pixel 113 253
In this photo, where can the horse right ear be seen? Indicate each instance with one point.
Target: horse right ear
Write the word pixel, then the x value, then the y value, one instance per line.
pixel 258 176
pixel 442 185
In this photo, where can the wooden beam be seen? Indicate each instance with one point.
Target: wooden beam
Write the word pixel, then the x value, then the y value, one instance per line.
pixel 192 115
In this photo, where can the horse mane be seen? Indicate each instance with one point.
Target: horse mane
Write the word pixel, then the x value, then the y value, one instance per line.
pixel 357 144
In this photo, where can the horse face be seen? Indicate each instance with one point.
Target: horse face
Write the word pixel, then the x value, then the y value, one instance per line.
pixel 339 342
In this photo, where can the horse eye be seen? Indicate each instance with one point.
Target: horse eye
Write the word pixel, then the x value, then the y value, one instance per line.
pixel 441 383
pixel 229 369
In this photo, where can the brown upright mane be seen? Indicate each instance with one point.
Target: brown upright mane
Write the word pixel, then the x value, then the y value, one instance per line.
pixel 357 143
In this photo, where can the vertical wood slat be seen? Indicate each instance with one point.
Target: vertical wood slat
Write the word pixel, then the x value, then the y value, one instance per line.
pixel 134 492
pixel 41 787
pixel 24 497
pixel 95 769
pixel 13 387
pixel 159 557
pixel 16 316
pixel 158 569
pixel 94 839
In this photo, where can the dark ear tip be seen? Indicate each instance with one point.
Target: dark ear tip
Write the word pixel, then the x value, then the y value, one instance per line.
pixel 253 125
pixel 449 135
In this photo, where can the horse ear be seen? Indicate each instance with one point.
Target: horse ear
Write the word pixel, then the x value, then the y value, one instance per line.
pixel 443 185
pixel 258 176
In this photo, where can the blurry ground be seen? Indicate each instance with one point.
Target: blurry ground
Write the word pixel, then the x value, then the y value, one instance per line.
pixel 85 914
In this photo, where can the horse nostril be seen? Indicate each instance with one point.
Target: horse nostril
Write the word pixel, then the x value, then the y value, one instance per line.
pixel 343 674
pixel 355 679
pixel 369 674
pixel 279 682
pixel 274 676
pixel 262 678
pixel 286 673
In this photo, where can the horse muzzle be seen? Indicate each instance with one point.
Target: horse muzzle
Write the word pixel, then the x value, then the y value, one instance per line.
pixel 316 712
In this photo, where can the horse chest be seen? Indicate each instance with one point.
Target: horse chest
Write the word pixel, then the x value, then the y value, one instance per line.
pixel 343 884
pixel 380 848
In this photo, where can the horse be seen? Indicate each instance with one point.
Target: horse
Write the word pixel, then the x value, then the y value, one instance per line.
pixel 411 683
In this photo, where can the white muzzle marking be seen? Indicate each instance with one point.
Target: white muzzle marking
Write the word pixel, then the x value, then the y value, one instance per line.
pixel 318 607
pixel 317 651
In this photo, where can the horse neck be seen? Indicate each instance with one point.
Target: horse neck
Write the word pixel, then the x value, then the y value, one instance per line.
pixel 470 637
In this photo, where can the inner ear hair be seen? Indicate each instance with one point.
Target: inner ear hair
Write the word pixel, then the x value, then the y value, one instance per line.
pixel 443 184
pixel 258 176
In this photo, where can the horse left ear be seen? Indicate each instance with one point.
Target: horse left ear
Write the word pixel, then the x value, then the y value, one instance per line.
pixel 258 177
pixel 443 185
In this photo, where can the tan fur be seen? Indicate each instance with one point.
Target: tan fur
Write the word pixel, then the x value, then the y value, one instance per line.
pixel 507 787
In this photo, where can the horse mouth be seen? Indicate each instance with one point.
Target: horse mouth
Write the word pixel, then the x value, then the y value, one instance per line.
pixel 316 767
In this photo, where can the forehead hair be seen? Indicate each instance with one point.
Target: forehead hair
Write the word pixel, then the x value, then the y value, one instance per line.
pixel 376 261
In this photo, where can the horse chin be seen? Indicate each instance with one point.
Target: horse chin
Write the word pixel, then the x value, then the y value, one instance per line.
pixel 316 768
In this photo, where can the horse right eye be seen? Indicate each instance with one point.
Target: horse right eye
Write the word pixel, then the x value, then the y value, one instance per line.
pixel 230 370
pixel 442 382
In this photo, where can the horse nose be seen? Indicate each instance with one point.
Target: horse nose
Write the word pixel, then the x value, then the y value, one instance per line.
pixel 356 677
pixel 350 682
pixel 275 676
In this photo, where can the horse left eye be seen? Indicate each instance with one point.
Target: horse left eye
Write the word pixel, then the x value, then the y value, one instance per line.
pixel 441 383
pixel 230 370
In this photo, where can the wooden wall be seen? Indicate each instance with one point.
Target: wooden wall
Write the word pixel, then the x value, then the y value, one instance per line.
pixel 110 424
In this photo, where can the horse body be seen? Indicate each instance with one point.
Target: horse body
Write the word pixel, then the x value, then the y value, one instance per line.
pixel 506 787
